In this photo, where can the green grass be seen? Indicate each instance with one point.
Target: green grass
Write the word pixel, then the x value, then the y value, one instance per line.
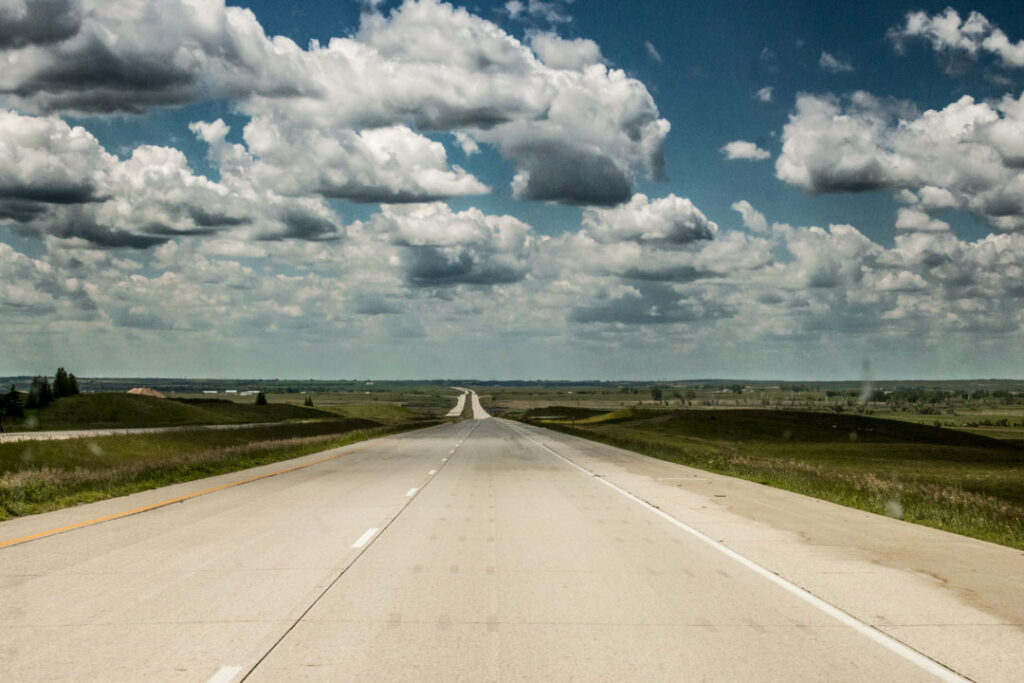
pixel 389 406
pixel 38 476
pixel 381 412
pixel 99 411
pixel 388 413
pixel 965 483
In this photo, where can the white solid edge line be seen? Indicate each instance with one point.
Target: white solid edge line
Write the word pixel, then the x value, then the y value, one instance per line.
pixel 225 674
pixel 365 538
pixel 930 665
pixel 411 492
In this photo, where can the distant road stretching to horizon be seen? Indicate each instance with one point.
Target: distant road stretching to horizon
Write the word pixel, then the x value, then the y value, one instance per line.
pixel 487 550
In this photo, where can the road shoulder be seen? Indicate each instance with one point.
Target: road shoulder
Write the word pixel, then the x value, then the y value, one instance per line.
pixel 938 592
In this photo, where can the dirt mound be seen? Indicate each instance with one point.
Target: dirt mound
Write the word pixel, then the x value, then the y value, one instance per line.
pixel 145 391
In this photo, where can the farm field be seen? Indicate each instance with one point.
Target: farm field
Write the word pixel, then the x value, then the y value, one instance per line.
pixel 393 404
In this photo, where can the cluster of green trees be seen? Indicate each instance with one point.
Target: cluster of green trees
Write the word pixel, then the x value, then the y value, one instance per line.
pixel 42 394
pixel 658 393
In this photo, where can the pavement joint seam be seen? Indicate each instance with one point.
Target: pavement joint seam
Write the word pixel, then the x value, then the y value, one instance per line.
pixel 344 570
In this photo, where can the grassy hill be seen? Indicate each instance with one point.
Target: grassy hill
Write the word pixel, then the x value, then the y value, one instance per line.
pixel 962 482
pixel 37 476
pixel 110 410
pixel 381 412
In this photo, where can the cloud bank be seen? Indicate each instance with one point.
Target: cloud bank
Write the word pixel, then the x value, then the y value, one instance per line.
pixel 134 248
pixel 969 153
pixel 424 67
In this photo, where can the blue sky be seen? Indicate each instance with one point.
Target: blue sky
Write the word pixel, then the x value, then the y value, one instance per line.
pixel 195 198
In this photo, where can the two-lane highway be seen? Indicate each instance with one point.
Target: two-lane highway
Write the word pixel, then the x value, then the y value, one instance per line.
pixel 482 550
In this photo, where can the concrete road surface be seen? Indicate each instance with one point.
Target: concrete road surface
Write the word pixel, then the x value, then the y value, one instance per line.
pixel 478 410
pixel 460 404
pixel 489 551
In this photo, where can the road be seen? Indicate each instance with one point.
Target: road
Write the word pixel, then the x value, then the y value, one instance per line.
pixel 478 412
pixel 460 404
pixel 486 550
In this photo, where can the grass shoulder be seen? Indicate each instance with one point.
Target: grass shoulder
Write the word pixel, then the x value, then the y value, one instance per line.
pixel 39 476
pixel 958 481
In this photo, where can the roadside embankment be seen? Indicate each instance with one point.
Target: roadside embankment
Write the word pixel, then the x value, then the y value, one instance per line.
pixel 47 475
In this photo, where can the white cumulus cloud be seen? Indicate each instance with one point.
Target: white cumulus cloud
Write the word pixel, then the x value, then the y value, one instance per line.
pixel 671 219
pixel 426 66
pixel 968 154
pixel 562 53
pixel 742 149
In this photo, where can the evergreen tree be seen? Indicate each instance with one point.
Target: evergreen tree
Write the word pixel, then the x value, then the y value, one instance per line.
pixel 10 406
pixel 261 399
pixel 61 384
pixel 73 385
pixel 11 403
pixel 308 402
pixel 39 394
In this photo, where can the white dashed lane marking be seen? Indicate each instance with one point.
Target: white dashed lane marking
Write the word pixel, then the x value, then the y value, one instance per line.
pixel 365 538
pixel 225 674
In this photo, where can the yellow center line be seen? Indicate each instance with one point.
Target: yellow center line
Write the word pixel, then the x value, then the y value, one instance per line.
pixel 164 503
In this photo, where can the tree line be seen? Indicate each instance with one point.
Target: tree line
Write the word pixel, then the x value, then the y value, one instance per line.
pixel 41 393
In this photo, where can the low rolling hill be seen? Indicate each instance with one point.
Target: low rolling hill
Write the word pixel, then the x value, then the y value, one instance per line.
pixel 116 410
